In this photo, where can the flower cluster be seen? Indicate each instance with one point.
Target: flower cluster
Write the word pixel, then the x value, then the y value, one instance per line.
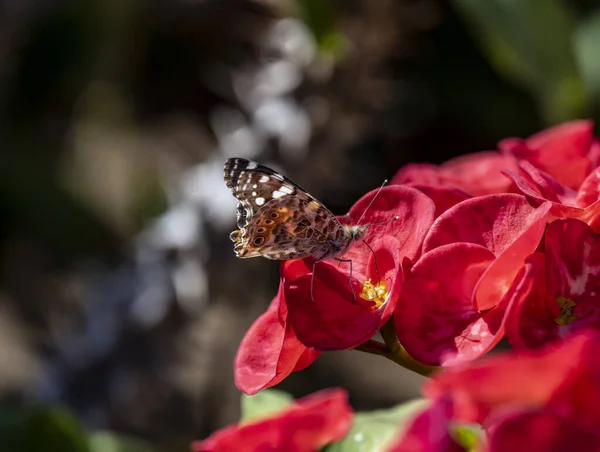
pixel 543 400
pixel 490 245
pixel 495 245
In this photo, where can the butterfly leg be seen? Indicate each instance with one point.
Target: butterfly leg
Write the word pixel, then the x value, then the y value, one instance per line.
pixel 312 281
pixel 375 261
pixel 349 277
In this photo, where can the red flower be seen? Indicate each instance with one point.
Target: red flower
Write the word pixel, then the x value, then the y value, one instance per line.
pixel 568 152
pixel 539 430
pixel 543 401
pixel 270 351
pixel 563 287
pixel 340 317
pixel 540 187
pixel 454 300
pixel 429 431
pixel 308 425
pixel 514 395
pixel 477 174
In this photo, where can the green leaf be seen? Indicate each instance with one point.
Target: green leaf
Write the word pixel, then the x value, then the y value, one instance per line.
pixel 263 404
pixel 41 428
pixel 373 430
pixel 320 17
pixel 585 41
pixel 109 442
pixel 529 41
pixel 469 436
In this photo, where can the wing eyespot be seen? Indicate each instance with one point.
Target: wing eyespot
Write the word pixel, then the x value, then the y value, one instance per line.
pixel 258 241
pixel 268 222
pixel 274 215
pixel 260 230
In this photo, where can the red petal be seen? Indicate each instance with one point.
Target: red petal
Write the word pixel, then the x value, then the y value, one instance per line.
pixel 436 320
pixel 589 199
pixel 558 210
pixel 571 270
pixel 480 173
pixel 547 377
pixel 549 188
pixel 443 197
pixel 505 224
pixel 594 153
pixel 308 357
pixel 530 323
pixel 307 426
pixel 566 140
pixel 540 431
pixel 334 320
pixel 493 221
pixel 573 257
pixel 428 432
pixel 561 151
pixel 269 352
pixel 477 174
pixel 418 173
pixel 589 192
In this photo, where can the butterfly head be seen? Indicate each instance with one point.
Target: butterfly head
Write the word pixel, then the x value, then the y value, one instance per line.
pixel 355 232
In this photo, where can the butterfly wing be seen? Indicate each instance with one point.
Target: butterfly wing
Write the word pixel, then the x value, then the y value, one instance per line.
pixel 277 218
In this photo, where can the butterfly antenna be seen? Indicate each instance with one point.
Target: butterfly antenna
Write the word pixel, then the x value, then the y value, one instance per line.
pixel 374 260
pixel 372 201
pixel 384 221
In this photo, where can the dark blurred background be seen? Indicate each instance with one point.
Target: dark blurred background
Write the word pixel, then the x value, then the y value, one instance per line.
pixel 121 301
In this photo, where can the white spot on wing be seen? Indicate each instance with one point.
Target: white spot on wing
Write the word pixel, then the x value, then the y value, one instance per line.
pixel 254 193
pixel 287 190
pixel 264 179
pixel 278 194
pixel 251 165
pixel 255 186
pixel 259 201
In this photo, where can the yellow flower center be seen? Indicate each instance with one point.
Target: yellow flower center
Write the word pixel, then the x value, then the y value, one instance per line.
pixel 375 293
pixel 566 315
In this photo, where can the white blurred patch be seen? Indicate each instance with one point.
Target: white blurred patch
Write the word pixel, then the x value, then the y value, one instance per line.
pixel 293 39
pixel 191 285
pixel 284 119
pixel 235 136
pixel 203 185
pixel 179 228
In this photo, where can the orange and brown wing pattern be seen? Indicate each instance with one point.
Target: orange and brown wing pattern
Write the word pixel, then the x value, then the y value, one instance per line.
pixel 276 218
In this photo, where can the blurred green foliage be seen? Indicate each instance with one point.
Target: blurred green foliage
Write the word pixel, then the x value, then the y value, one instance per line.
pixel 264 404
pixel 541 46
pixel 320 17
pixel 52 428
pixel 372 430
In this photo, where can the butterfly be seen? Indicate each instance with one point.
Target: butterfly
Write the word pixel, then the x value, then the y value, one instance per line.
pixel 279 220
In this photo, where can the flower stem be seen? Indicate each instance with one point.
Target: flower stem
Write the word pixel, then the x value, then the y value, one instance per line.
pixel 398 354
pixel 373 347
